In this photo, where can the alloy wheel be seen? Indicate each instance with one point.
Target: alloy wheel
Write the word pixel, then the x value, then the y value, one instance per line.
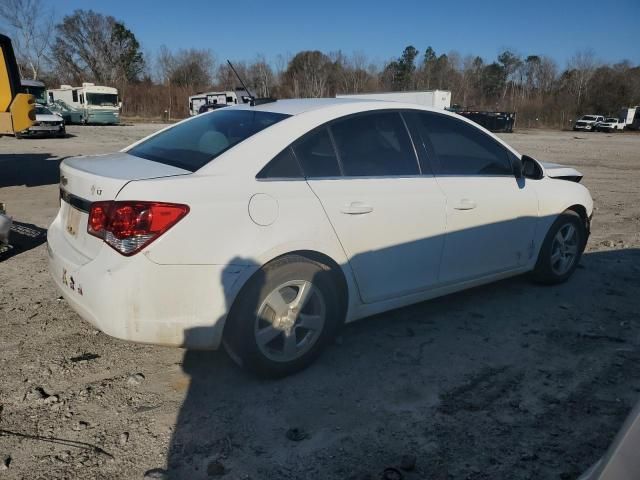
pixel 564 249
pixel 290 321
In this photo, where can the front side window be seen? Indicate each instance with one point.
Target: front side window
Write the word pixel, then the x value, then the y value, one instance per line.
pixel 194 143
pixel 374 144
pixel 102 99
pixel 458 148
pixel 317 156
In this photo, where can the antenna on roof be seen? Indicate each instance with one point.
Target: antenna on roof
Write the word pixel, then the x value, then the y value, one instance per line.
pixel 254 101
pixel 242 83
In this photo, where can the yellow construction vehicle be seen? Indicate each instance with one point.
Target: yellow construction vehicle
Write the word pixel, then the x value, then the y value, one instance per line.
pixel 17 113
pixel 17 110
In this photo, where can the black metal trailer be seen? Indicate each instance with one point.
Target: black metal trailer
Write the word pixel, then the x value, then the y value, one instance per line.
pixel 492 121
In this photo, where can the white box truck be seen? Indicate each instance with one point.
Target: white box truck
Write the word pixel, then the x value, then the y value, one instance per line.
pixel 428 98
pixel 97 104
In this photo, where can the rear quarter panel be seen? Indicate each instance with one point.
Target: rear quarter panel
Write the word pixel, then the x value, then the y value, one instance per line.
pixel 220 230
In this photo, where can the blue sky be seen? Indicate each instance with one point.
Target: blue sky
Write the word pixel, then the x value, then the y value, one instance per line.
pixel 240 30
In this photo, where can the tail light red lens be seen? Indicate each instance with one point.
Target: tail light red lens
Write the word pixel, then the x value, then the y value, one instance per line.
pixel 129 226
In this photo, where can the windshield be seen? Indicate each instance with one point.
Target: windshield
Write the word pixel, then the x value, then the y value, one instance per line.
pixel 103 99
pixel 43 111
pixel 38 92
pixel 193 144
pixel 588 117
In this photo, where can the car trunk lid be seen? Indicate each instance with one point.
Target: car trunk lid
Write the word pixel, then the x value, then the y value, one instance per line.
pixel 84 180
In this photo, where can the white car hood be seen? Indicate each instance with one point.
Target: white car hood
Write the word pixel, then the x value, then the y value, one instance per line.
pixel 45 117
pixel 555 170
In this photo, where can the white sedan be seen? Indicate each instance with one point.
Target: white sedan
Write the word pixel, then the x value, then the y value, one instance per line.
pixel 266 227
pixel 47 123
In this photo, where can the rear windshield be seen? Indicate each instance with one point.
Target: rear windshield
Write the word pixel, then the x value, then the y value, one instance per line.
pixel 193 144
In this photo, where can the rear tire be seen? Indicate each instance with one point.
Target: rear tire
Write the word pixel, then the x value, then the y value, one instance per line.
pixel 561 250
pixel 284 317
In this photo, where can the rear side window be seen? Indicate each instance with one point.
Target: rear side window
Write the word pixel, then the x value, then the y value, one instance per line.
pixel 317 156
pixel 193 144
pixel 283 165
pixel 374 144
pixel 458 148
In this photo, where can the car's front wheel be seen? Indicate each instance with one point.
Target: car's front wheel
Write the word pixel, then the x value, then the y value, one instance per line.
pixel 562 249
pixel 284 316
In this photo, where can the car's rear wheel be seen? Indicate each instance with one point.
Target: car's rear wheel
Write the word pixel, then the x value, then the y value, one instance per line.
pixel 284 316
pixel 562 249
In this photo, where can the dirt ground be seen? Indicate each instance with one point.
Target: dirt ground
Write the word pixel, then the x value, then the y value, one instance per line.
pixel 507 381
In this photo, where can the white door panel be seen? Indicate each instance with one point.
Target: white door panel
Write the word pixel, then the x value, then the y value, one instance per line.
pixel 490 225
pixel 390 228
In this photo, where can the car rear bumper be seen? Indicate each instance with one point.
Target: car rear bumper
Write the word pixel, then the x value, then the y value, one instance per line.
pixel 135 299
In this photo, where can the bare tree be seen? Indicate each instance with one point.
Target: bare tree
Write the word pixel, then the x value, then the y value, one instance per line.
pixel 31 26
pixel 92 46
pixel 261 77
pixel 308 74
pixel 583 65
pixel 193 68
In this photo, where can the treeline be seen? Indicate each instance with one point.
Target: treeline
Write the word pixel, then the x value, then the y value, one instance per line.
pixel 88 46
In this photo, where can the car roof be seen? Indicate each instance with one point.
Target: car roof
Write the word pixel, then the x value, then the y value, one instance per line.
pixel 306 114
pixel 304 105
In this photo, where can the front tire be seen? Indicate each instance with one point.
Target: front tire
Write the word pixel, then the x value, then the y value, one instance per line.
pixel 561 250
pixel 284 316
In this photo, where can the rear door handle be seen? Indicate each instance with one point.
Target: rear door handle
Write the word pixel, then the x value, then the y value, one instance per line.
pixel 465 204
pixel 356 208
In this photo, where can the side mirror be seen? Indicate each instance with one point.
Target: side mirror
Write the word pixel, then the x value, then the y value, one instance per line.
pixel 530 168
pixel 517 168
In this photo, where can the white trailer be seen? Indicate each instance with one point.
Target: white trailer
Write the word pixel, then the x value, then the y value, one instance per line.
pixel 97 103
pixel 630 117
pixel 227 97
pixel 428 98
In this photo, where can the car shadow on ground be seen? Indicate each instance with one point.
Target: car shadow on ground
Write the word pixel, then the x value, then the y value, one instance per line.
pixel 46 137
pixel 508 380
pixel 22 238
pixel 31 169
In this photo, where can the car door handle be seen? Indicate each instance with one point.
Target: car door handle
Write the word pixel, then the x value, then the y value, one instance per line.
pixel 356 208
pixel 465 204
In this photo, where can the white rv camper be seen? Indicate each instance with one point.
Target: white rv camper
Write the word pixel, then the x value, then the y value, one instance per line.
pixel 98 104
pixel 427 98
pixel 217 98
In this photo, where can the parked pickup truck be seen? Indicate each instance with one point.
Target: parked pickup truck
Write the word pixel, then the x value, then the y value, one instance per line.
pixel 588 122
pixel 610 125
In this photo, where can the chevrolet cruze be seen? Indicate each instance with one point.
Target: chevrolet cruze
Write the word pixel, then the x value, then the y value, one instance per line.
pixel 265 227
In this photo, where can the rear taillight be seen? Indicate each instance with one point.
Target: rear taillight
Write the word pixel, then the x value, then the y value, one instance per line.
pixel 129 226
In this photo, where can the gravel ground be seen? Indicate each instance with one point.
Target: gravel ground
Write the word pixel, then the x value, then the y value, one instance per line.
pixel 510 380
